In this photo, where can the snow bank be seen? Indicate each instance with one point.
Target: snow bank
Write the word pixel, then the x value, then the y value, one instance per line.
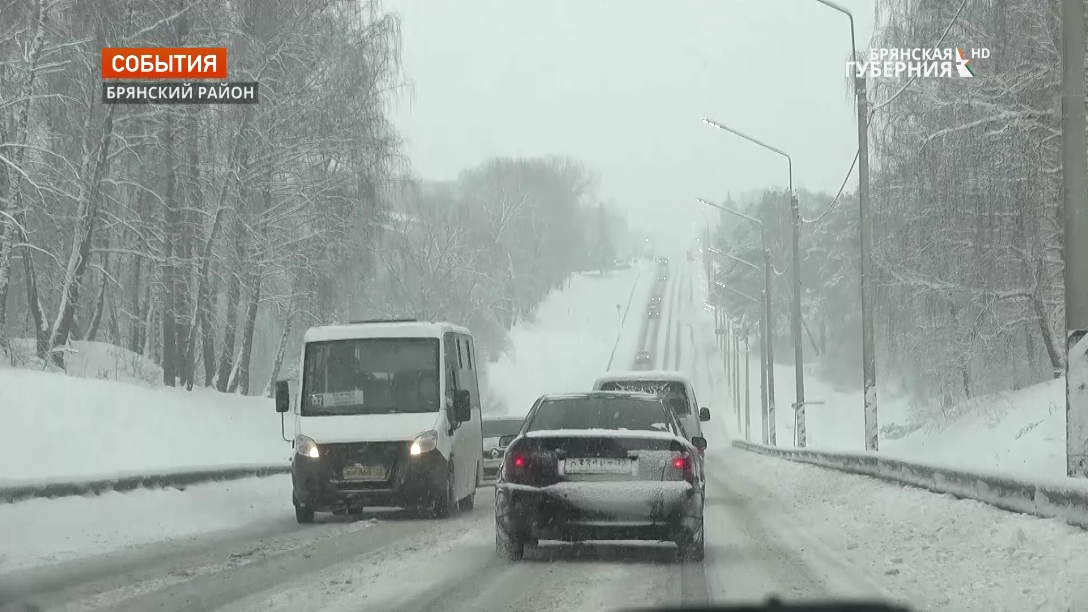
pixel 41 532
pixel 568 344
pixel 97 360
pixel 1019 433
pixel 68 428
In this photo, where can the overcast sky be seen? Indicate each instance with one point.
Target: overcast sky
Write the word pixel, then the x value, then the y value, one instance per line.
pixel 623 85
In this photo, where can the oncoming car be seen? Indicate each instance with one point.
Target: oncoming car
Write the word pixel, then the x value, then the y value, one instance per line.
pixel 643 358
pixel 600 466
pixel 498 432
pixel 388 414
pixel 653 311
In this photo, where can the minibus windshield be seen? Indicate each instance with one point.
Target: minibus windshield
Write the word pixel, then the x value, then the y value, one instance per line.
pixel 370 376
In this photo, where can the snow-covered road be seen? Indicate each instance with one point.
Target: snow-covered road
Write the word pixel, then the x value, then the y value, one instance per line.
pixel 393 561
pixel 773 528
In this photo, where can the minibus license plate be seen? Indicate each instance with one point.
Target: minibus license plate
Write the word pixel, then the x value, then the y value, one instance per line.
pixel 364 472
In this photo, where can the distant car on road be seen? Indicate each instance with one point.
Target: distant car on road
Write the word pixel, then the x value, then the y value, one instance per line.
pixel 643 358
pixel 498 432
pixel 655 300
pixel 600 466
pixel 662 278
pixel 653 311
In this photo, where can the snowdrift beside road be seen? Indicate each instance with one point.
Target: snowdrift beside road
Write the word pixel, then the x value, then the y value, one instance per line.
pixel 65 428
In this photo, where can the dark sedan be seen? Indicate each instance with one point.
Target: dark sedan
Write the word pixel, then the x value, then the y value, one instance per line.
pixel 603 465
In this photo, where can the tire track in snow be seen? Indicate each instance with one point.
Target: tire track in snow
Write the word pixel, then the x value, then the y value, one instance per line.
pixel 623 322
pixel 674 292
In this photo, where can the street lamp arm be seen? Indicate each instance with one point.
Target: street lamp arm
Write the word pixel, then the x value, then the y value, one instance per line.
pixel 732 212
pixel 733 257
pixel 740 293
pixel 720 126
pixel 850 16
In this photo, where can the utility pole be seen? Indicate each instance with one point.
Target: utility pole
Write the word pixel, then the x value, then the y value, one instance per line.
pixel 1075 188
pixel 868 345
pixel 736 378
pixel 770 422
pixel 747 391
pixel 795 323
pixel 763 373
pixel 868 348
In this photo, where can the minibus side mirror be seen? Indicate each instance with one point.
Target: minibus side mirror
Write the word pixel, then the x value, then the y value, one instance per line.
pixel 283 396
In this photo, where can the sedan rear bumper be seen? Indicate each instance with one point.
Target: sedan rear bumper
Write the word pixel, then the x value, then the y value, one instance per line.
pixel 580 511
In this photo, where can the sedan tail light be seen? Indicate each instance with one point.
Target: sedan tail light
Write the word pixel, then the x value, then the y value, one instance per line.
pixel 516 465
pixel 685 464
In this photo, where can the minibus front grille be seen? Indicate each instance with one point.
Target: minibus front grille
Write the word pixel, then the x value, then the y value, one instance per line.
pixel 385 454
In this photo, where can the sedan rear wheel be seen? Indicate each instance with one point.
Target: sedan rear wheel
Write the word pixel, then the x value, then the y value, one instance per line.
pixel 508 546
pixel 691 545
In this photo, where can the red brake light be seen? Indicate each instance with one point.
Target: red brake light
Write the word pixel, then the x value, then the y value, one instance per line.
pixel 685 463
pixel 519 461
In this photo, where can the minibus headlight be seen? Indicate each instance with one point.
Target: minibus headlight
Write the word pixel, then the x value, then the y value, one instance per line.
pixel 424 443
pixel 306 447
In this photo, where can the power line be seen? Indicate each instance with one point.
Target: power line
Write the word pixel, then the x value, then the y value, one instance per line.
pixel 876 107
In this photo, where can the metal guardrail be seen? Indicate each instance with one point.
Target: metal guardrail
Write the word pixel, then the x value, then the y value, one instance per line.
pixel 1046 500
pixel 173 480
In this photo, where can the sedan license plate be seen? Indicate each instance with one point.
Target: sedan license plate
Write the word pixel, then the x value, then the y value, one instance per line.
pixel 364 472
pixel 598 465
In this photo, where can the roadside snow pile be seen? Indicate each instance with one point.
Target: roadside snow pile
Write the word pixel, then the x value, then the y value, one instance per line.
pixel 568 344
pixel 98 360
pixel 1019 433
pixel 68 428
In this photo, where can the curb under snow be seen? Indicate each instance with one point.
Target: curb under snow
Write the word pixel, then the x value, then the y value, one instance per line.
pixel 174 480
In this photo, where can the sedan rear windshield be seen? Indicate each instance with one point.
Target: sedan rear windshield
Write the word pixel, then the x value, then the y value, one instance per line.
pixel 674 393
pixel 600 413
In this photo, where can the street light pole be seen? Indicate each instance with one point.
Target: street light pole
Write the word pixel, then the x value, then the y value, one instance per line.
pixel 868 343
pixel 768 341
pixel 736 378
pixel 795 314
pixel 763 373
pixel 1074 167
pixel 747 391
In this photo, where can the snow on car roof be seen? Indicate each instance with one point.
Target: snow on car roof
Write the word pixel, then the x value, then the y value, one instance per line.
pixel 398 329
pixel 611 433
pixel 667 375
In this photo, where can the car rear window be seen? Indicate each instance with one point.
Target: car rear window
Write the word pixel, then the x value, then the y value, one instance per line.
pixel 674 393
pixel 600 413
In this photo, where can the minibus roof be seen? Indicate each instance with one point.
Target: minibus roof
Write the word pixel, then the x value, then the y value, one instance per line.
pixel 391 329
